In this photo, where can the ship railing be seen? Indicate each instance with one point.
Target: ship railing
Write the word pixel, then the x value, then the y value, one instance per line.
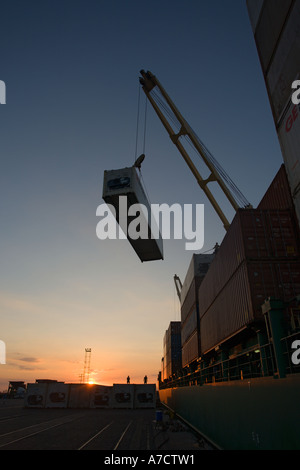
pixel 289 350
pixel 256 362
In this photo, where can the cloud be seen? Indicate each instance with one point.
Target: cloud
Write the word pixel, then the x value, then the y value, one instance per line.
pixel 29 359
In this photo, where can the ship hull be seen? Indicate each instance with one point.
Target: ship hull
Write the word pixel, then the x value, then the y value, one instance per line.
pixel 252 414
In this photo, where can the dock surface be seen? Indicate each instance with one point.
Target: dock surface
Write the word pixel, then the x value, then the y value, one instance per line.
pixel 92 429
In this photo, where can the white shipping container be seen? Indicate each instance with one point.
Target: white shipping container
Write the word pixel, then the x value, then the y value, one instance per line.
pixel 101 396
pixel 123 396
pixel 289 138
pixel 79 395
pixel 144 396
pixel 57 395
pixel 126 182
pixel 36 395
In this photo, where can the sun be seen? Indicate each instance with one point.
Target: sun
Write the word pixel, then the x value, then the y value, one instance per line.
pixel 91 382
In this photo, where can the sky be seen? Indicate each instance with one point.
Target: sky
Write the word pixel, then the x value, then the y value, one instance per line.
pixel 73 98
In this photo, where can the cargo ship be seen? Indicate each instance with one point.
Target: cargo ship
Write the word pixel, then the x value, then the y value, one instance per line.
pixel 239 382
pixel 239 379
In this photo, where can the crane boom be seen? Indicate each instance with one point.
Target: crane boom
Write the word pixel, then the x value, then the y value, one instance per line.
pixel 148 82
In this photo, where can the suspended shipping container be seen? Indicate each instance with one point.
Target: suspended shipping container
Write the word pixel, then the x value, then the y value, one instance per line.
pixel 126 182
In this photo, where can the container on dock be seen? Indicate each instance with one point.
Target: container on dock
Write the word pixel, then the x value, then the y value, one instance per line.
pixel 101 396
pixel 57 395
pixel 144 396
pixel 123 396
pixel 79 395
pixel 126 182
pixel 36 395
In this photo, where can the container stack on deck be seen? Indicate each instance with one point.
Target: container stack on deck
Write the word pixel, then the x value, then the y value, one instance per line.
pixel 190 334
pixel 258 258
pixel 223 293
pixel 172 361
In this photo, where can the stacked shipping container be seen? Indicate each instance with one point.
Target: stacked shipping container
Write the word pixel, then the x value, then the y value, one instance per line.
pixel 278 195
pixel 276 26
pixel 172 350
pixel 258 258
pixel 190 337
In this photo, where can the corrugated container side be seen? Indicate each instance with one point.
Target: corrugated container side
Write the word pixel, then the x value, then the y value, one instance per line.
pixel 239 303
pixel 191 349
pixel 229 312
pixel 253 234
pixel 278 195
pixel 190 324
pixel 191 298
pixel 283 238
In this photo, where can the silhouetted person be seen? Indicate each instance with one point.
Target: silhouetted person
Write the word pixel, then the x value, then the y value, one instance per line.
pixel 145 379
pixel 128 379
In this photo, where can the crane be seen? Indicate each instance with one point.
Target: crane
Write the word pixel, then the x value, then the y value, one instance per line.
pixel 164 107
pixel 178 285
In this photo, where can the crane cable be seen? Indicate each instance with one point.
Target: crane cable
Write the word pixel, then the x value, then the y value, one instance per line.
pixel 144 138
pixel 137 125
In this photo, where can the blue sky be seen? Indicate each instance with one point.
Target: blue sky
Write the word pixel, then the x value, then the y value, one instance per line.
pixel 71 70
